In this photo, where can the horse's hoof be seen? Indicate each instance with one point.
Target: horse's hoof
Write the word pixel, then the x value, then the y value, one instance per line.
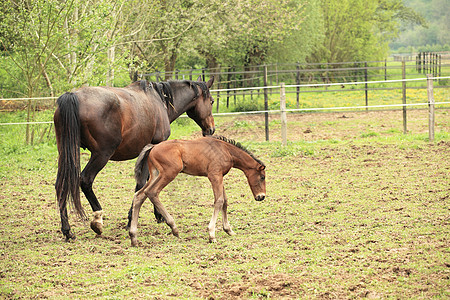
pixel 230 232
pixel 212 241
pixel 97 227
pixel 97 222
pixel 70 236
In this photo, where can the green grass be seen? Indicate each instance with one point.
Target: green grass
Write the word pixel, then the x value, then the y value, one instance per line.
pixel 354 209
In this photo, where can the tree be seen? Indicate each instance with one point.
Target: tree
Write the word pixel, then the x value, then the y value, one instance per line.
pixel 55 44
pixel 250 32
pixel 357 30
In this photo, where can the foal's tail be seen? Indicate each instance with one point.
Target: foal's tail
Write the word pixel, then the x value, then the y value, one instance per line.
pixel 141 172
pixel 67 127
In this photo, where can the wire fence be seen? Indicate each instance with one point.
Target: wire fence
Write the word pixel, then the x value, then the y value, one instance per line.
pixel 277 87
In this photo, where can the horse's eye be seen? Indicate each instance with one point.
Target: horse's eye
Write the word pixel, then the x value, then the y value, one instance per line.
pixel 263 177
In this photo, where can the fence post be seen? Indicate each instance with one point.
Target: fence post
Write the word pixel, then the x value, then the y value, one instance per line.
pixel 297 81
pixel 404 95
pixel 228 86
pixel 439 70
pixel 283 115
pixel 385 69
pixel 430 108
pixel 365 79
pixel 266 104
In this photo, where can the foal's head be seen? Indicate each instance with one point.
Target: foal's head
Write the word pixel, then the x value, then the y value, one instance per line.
pixel 257 181
pixel 201 112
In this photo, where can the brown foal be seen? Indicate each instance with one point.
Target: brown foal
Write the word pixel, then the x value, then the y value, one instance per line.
pixel 212 157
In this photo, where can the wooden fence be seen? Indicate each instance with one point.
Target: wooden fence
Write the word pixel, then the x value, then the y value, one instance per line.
pixel 238 81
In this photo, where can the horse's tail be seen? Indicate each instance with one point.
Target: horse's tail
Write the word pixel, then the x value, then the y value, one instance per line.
pixel 141 172
pixel 67 125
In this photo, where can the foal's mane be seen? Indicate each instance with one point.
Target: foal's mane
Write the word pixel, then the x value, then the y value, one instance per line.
pixel 238 145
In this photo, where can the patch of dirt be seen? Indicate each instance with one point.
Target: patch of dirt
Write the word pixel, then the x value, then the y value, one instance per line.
pixel 325 126
pixel 276 286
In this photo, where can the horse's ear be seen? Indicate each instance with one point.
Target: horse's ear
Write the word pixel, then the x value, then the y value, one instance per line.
pixel 261 167
pixel 210 82
pixel 199 78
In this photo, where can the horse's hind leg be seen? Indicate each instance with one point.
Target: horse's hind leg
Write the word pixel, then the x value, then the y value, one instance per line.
pixel 226 224
pixel 96 163
pixel 159 207
pixel 65 226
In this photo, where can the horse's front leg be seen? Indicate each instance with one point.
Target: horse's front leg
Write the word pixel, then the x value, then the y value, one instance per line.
pixel 226 224
pixel 217 185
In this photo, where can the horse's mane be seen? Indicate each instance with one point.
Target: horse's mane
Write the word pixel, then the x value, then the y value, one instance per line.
pixel 164 90
pixel 239 145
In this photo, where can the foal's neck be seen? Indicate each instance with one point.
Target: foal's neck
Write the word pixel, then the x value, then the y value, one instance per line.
pixel 241 159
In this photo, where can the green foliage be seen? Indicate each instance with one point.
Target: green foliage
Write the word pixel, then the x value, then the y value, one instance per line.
pixel 248 104
pixel 357 30
pixel 49 47
pixel 432 37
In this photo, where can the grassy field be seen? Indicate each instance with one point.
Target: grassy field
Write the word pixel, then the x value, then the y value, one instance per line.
pixel 354 209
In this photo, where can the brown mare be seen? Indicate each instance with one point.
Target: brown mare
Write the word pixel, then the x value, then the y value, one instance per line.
pixel 212 157
pixel 115 124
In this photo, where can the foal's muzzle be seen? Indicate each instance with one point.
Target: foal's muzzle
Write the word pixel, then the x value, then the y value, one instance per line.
pixel 260 197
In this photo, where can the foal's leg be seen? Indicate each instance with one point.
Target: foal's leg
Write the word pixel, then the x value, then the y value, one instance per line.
pixel 217 185
pixel 153 194
pixel 138 200
pixel 139 185
pixel 226 224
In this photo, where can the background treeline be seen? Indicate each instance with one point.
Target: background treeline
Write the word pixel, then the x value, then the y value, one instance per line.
pixel 50 46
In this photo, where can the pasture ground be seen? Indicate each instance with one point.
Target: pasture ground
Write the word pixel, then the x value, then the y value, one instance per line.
pixel 354 209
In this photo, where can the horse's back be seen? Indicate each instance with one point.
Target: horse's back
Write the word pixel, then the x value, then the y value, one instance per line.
pixel 121 119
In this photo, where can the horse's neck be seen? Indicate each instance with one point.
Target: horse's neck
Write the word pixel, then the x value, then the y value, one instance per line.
pixel 241 159
pixel 182 101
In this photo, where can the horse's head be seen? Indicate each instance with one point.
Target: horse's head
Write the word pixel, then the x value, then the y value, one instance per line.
pixel 257 181
pixel 201 112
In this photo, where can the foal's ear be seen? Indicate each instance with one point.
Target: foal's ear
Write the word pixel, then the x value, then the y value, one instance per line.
pixel 261 168
pixel 199 78
pixel 210 82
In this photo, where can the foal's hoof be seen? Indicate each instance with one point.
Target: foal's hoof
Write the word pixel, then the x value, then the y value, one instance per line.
pixel 230 232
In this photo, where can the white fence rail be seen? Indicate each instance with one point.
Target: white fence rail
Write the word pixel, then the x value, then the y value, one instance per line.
pixel 431 104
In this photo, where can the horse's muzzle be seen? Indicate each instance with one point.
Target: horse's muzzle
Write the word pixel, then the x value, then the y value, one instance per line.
pixel 260 197
pixel 209 131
